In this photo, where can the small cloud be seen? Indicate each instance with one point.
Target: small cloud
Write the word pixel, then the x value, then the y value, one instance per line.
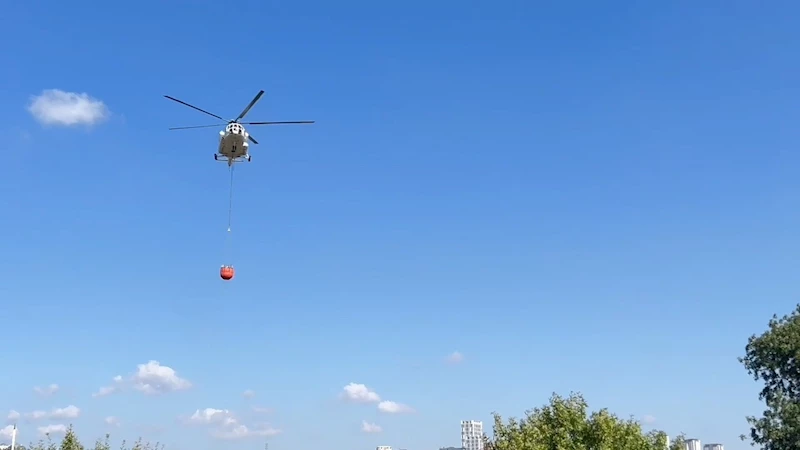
pixel 47 390
pixel 648 419
pixel 262 410
pixel 57 107
pixel 455 358
pixel 52 429
pixel 111 420
pixel 226 426
pixel 69 412
pixel 390 407
pixel 36 415
pixel 151 378
pixel 210 416
pixel 249 393
pixel 367 427
pixel 13 416
pixel 359 393
pixel 108 390
pixel 6 432
pixel 105 390
pixel 244 432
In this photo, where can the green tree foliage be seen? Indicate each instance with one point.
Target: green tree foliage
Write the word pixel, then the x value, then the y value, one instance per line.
pixel 678 442
pixel 565 424
pixel 70 441
pixel 774 359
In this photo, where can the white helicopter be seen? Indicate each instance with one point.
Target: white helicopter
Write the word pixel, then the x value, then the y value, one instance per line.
pixel 233 145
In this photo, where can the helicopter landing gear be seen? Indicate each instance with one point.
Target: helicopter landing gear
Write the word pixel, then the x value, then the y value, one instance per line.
pixel 248 158
pixel 215 157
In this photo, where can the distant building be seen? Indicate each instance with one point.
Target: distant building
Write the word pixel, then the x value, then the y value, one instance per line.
pixel 693 444
pixel 713 447
pixel 384 447
pixel 452 448
pixel 472 435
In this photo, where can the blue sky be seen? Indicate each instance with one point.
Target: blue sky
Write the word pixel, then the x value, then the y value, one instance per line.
pixel 573 196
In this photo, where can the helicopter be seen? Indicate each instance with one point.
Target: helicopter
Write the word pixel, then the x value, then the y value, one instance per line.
pixel 233 140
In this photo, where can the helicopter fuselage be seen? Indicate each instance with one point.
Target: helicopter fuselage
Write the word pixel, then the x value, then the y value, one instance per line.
pixel 233 145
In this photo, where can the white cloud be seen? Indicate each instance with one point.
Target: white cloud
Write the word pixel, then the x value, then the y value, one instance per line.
pixel 6 432
pixel 390 407
pixel 367 427
pixel 150 378
pixel 13 416
pixel 108 390
pixel 57 107
pixel 52 429
pixel 360 393
pixel 226 426
pixel 47 390
pixel 243 432
pixel 36 415
pixel 455 358
pixel 648 419
pixel 69 412
pixel 262 410
pixel 105 390
pixel 210 416
pixel 111 420
pixel 153 378
pixel 249 393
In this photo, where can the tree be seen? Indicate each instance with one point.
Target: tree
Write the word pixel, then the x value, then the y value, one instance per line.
pixel 774 359
pixel 70 441
pixel 678 443
pixel 564 424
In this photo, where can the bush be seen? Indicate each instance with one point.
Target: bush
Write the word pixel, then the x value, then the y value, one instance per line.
pixel 70 441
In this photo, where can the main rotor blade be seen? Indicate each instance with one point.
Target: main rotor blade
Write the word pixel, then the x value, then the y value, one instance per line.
pixel 251 138
pixel 278 123
pixel 195 107
pixel 246 110
pixel 199 126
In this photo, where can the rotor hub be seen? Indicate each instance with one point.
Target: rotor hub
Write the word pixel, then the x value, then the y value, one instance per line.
pixel 234 128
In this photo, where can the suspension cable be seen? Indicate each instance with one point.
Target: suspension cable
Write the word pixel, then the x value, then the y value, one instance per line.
pixel 228 243
pixel 230 199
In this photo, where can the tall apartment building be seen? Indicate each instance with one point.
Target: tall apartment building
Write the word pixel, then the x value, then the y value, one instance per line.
pixel 472 435
pixel 693 444
pixel 713 447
